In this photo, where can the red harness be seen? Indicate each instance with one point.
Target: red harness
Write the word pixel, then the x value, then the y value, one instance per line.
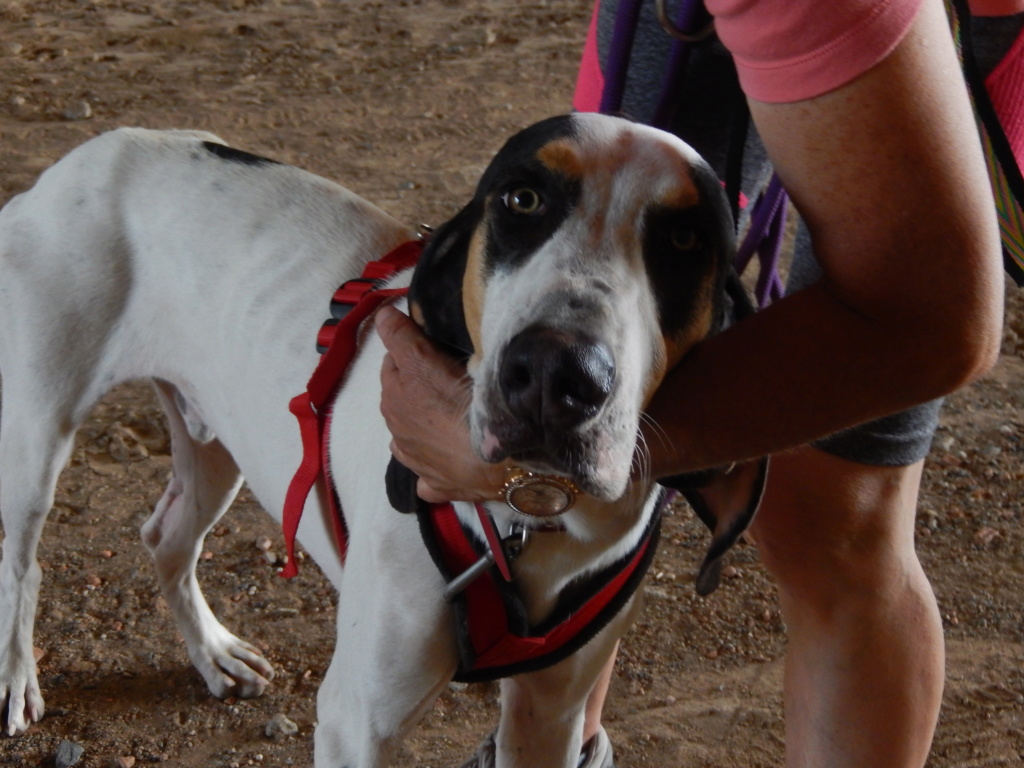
pixel 352 303
pixel 494 636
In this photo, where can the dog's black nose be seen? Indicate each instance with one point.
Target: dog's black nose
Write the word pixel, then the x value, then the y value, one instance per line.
pixel 551 379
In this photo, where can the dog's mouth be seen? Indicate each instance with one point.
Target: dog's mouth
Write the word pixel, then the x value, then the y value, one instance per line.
pixel 581 457
pixel 558 456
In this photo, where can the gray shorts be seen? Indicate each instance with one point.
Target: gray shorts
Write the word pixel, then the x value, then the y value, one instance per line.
pixel 705 106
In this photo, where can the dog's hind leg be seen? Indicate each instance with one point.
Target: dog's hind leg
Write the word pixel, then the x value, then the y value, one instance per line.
pixel 35 441
pixel 204 483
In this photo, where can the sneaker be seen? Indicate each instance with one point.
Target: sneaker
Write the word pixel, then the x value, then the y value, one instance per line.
pixel 597 753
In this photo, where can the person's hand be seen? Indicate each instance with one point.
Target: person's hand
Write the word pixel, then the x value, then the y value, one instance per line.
pixel 424 400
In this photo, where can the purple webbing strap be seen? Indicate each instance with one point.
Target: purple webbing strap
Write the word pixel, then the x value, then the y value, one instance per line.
pixel 677 60
pixel 764 237
pixel 619 51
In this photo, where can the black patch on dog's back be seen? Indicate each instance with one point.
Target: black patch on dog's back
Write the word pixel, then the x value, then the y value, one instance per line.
pixel 233 155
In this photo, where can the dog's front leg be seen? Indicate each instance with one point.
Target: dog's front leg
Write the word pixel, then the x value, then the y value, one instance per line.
pixel 542 712
pixel 395 651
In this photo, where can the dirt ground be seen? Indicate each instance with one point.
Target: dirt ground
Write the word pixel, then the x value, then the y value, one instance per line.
pixel 404 101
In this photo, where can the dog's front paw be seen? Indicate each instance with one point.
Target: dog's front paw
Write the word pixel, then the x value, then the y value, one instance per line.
pixel 232 667
pixel 20 699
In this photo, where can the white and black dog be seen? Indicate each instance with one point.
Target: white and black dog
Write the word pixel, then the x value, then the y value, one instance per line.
pixel 593 255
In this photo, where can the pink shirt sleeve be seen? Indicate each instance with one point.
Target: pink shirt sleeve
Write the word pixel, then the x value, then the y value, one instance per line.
pixel 787 51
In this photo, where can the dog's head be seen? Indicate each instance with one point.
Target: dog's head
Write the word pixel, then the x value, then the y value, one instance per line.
pixel 595 253
pixel 592 257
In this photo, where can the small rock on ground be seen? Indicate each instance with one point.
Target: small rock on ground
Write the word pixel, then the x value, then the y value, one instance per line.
pixel 68 754
pixel 279 725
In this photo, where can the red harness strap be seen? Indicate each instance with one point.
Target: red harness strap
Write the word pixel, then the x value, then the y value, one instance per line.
pixel 352 303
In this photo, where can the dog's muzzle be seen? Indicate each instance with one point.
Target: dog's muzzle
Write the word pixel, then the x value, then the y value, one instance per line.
pixel 546 401
pixel 553 381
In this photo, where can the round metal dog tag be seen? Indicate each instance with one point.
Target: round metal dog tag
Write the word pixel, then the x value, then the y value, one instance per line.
pixel 538 495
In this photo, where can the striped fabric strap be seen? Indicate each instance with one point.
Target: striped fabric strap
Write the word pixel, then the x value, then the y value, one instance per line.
pixel 1007 182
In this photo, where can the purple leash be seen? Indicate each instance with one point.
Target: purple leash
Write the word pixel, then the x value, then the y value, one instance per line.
pixel 764 237
pixel 679 57
pixel 619 50
pixel 768 216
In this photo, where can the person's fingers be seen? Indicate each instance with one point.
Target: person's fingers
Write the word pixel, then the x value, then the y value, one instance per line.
pixel 401 336
pixel 389 375
pixel 424 392
pixel 428 494
pixel 423 488
pixel 409 347
pixel 388 321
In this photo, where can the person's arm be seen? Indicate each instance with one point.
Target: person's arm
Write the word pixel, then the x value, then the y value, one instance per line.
pixel 887 171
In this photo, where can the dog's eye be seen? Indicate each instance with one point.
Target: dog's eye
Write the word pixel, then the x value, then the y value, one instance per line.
pixel 684 238
pixel 523 200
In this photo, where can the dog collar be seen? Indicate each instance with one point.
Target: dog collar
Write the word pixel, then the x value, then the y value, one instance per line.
pixel 538 495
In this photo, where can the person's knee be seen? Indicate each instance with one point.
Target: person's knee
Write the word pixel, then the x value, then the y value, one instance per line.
pixel 831 528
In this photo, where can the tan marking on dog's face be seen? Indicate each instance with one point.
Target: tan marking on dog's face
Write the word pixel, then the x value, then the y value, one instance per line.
pixel 473 291
pixel 608 199
pixel 684 195
pixel 656 373
pixel 683 341
pixel 562 156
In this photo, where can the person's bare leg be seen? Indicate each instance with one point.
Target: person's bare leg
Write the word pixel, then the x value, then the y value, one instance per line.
pixel 865 662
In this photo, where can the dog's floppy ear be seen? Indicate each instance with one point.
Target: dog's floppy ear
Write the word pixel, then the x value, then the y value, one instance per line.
pixel 435 304
pixel 726 502
pixel 400 483
pixel 435 294
pixel 735 303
